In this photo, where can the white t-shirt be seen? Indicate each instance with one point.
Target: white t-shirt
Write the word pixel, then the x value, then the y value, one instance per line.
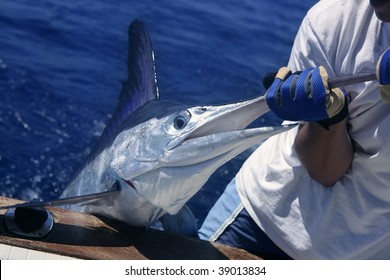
pixel 350 220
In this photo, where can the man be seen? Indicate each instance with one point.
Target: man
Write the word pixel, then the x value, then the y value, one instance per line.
pixel 322 190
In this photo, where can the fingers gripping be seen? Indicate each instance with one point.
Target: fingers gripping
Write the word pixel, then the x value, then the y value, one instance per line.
pixel 383 75
pixel 299 96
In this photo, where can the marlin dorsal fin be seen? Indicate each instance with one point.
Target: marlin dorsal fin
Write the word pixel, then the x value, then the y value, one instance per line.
pixel 141 84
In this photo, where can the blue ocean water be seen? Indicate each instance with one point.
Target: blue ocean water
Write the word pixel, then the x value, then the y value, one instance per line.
pixel 61 64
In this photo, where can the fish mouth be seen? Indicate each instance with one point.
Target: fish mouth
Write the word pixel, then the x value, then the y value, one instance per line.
pixel 219 147
pixel 215 127
pixel 223 118
pixel 230 117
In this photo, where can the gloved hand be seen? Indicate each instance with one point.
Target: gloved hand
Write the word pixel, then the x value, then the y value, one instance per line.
pixel 305 96
pixel 383 75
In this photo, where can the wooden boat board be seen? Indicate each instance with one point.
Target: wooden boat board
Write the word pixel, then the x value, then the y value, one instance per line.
pixel 84 236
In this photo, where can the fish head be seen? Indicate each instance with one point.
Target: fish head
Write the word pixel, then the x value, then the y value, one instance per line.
pixel 169 157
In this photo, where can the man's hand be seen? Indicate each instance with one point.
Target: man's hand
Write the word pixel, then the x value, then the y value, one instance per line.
pixel 306 96
pixel 383 75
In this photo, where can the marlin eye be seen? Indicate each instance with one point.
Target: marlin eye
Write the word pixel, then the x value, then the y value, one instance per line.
pixel 180 122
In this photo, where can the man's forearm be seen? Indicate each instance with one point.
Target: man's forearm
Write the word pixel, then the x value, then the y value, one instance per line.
pixel 327 155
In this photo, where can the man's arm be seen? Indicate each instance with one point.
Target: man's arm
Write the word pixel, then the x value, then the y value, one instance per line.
pixel 326 154
pixel 322 143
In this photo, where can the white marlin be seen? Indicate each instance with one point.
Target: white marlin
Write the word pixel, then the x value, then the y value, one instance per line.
pixel 161 152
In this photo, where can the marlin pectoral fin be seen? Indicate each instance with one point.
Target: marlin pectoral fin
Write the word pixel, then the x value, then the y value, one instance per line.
pixel 80 199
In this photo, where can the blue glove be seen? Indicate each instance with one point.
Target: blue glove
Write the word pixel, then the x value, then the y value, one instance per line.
pixel 305 96
pixel 383 75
